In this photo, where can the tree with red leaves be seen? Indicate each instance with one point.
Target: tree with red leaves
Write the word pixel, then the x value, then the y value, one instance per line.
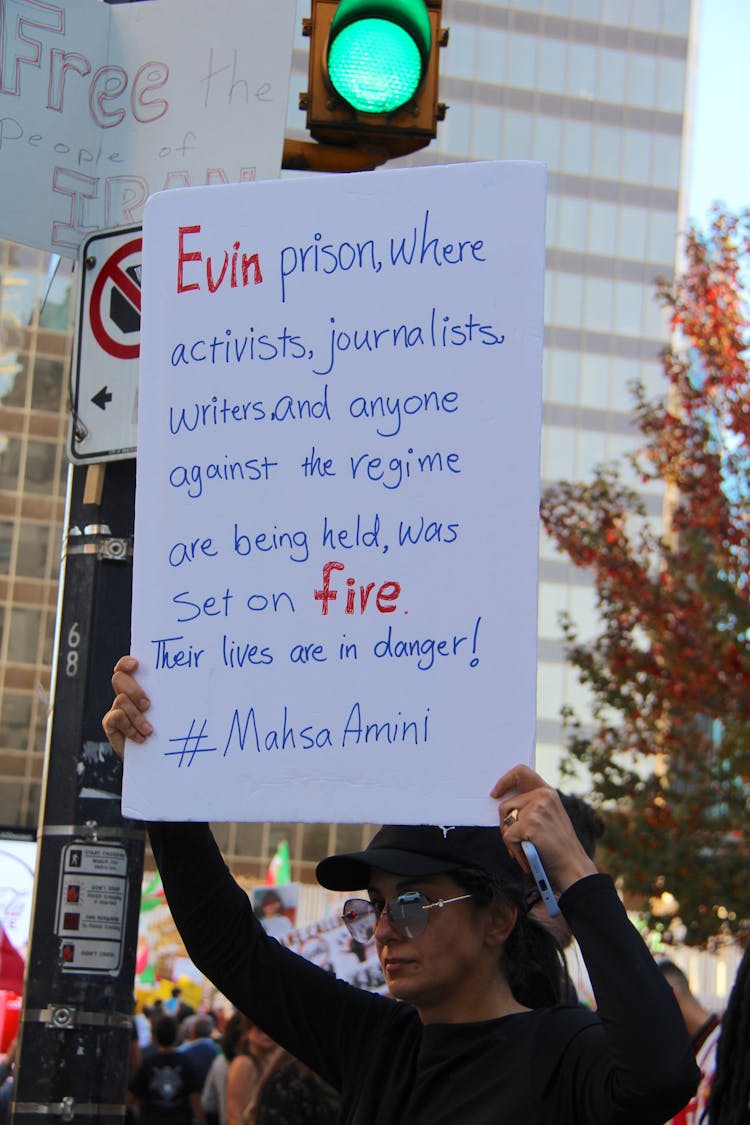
pixel 667 747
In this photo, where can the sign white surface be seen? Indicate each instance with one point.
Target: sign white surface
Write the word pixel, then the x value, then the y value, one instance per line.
pixel 103 104
pixel 104 415
pixel 91 902
pixel 328 944
pixel 335 570
pixel 17 863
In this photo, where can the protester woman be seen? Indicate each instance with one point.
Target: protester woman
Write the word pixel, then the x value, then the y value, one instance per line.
pixel 729 1100
pixel 214 1093
pixel 472 1032
pixel 246 1069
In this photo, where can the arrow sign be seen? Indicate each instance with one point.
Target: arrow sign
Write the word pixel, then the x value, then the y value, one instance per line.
pixel 101 398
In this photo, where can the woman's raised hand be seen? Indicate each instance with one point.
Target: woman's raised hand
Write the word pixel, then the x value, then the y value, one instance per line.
pixel 126 717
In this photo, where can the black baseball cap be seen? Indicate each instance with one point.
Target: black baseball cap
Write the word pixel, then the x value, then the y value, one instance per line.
pixel 423 849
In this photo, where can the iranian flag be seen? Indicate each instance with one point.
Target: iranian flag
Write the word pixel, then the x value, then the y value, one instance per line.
pixel 280 868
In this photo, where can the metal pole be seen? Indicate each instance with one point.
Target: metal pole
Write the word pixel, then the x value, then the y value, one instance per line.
pixel 76 1021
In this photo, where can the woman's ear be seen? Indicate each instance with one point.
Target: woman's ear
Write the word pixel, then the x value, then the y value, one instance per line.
pixel 501 919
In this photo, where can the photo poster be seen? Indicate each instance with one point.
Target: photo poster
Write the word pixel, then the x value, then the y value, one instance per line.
pixel 276 907
pixel 336 535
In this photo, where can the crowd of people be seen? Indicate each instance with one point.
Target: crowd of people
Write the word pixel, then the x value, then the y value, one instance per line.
pixel 205 1069
pixel 480 1023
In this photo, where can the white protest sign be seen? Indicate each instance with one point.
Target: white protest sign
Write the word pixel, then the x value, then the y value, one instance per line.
pixel 335 565
pixel 102 104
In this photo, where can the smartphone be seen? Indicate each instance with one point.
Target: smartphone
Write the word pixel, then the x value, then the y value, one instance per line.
pixel 540 878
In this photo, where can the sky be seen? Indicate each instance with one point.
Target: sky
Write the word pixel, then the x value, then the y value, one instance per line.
pixel 721 154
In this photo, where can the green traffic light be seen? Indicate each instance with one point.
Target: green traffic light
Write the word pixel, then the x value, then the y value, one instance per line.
pixel 378 52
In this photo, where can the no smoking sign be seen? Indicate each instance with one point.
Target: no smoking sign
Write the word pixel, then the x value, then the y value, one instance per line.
pixel 107 347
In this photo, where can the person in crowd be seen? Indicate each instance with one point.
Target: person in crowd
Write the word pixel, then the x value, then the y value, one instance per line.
pixel 148 1050
pixel 289 1093
pixel 7 1075
pixel 171 1006
pixel 214 1093
pixel 474 1029
pixel 253 1051
pixel 134 1061
pixel 704 1028
pixel 165 1087
pixel 142 1023
pixel 199 1047
pixel 729 1099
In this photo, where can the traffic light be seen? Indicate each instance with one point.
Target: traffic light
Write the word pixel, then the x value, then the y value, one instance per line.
pixel 373 73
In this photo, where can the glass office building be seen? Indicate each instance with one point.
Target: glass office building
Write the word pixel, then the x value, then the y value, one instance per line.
pixel 600 90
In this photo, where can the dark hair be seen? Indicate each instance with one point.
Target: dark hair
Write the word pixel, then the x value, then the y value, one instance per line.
pixel 532 960
pixel 233 1032
pixel 165 1031
pixel 202 1028
pixel 587 824
pixel 729 1100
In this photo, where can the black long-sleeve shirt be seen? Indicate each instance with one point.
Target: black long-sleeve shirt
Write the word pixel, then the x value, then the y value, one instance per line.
pixel 631 1062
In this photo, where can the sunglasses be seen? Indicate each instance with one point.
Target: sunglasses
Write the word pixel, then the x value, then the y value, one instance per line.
pixel 407 913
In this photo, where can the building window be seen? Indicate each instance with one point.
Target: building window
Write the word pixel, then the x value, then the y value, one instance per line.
pixel 488 124
pixel 561 377
pixel 602 229
pixel 522 62
pixel 567 305
pixel 599 301
pixel 23 635
pixel 461 52
pixel 636 166
pixel 518 133
pixel 581 71
pixel 577 146
pixel 642 81
pixel 607 152
pixel 573 221
pixel 48 390
pixel 314 842
pixel 41 467
pixel 631 241
pixel 551 68
pixel 666 162
pixel 558 453
pixel 6 545
pixel 10 461
pixel 670 85
pixel 33 550
pixel 15 721
pixel 490 58
pixel 595 381
pixel 16 801
pixel 548 141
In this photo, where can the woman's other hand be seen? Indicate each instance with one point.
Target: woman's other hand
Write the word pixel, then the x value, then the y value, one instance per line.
pixel 126 717
pixel 530 809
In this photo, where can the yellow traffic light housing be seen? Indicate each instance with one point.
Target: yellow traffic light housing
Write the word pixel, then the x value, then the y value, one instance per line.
pixel 373 73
